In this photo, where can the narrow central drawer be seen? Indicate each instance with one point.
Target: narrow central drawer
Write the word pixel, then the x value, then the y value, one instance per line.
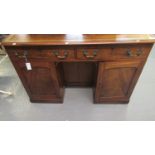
pixel 94 52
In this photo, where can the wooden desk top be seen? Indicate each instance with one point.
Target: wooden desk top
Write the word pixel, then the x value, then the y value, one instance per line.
pixel 73 39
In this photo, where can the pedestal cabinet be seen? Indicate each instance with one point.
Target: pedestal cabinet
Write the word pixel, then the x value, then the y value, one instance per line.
pixel 110 64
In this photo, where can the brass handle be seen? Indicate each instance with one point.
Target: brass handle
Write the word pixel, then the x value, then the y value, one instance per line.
pixel 85 53
pixel 89 56
pixel 139 52
pixel 56 53
pixel 61 57
pixel 21 56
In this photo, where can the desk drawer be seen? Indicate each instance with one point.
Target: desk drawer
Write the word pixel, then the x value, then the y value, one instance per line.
pixel 114 52
pixel 60 54
pixel 137 51
pixel 54 54
pixel 94 52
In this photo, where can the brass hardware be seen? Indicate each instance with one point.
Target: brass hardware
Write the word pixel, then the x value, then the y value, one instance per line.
pixel 56 53
pixel 19 56
pixel 139 52
pixel 22 56
pixel 85 53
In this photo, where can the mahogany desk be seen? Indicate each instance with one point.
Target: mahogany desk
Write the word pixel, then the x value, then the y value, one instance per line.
pixel 110 64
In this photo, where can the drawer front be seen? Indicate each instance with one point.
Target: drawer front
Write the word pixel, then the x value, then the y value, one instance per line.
pixel 54 54
pixel 130 51
pixel 114 52
pixel 86 53
pixel 94 53
pixel 63 54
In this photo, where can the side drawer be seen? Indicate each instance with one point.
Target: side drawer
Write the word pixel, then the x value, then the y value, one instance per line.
pixel 131 51
pixel 52 53
pixel 114 52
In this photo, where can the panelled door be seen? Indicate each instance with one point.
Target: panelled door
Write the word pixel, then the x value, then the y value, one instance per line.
pixel 116 80
pixel 41 82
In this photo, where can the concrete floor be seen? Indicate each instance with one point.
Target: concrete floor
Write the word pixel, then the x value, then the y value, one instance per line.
pixel 78 103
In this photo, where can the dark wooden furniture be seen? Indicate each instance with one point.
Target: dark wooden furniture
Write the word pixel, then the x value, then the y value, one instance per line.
pixel 110 64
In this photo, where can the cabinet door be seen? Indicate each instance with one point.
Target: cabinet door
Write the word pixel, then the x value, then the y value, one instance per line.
pixel 42 82
pixel 116 80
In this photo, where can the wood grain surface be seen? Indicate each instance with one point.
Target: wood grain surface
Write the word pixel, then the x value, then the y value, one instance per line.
pixel 73 39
